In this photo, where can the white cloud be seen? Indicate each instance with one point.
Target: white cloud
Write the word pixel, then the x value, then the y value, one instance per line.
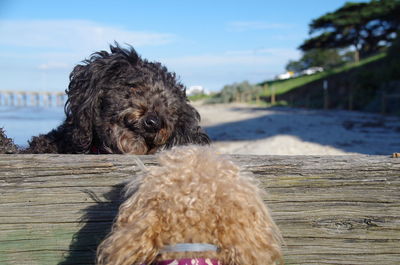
pixel 60 44
pixel 73 34
pixel 53 65
pixel 239 58
pixel 256 25
pixel 45 51
pixel 213 71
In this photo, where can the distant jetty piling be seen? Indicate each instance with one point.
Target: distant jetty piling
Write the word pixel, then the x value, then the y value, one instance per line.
pixel 32 99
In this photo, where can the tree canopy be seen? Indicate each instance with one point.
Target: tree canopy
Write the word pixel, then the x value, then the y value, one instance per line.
pixel 234 92
pixel 364 26
pixel 326 58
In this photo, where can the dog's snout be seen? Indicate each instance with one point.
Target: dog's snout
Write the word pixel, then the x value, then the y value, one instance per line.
pixel 152 123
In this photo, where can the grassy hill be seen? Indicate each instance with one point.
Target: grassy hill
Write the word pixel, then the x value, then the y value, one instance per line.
pixel 284 86
pixel 373 84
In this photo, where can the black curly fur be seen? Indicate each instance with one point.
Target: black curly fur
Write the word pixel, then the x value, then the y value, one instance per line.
pixel 7 145
pixel 120 103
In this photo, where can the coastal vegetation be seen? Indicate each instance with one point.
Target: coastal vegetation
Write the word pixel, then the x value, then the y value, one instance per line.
pixel 358 48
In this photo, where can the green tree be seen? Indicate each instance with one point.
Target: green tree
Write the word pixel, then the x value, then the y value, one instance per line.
pixel 364 26
pixel 295 66
pixel 325 58
pixel 238 92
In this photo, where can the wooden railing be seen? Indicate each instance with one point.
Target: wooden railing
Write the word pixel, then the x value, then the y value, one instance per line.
pixel 55 209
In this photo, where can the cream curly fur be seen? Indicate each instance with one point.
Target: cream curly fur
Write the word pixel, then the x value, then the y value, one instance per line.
pixel 194 196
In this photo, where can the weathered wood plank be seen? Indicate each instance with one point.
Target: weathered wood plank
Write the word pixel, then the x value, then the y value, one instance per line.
pixel 54 209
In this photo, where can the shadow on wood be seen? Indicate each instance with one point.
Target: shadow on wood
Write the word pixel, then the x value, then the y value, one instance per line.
pixel 96 225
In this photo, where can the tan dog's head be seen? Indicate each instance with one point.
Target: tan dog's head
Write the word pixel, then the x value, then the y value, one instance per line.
pixel 193 196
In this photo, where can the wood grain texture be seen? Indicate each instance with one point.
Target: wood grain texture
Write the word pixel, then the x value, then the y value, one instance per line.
pixel 55 209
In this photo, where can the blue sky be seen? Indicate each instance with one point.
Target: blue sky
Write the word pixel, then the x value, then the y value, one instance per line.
pixel 207 43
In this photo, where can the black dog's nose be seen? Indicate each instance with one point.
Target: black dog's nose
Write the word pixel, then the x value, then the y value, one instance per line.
pixel 152 123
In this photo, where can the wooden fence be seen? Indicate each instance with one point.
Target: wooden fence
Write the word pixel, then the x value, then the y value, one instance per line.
pixel 54 209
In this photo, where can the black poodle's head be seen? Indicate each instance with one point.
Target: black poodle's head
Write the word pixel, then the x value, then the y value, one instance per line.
pixel 120 103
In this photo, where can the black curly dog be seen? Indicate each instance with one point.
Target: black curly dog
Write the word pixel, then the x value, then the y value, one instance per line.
pixel 120 103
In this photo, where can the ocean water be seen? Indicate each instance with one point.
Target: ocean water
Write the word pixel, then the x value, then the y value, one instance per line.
pixel 21 123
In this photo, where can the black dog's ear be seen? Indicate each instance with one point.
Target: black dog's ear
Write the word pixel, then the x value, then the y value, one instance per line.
pixel 187 129
pixel 198 136
pixel 83 98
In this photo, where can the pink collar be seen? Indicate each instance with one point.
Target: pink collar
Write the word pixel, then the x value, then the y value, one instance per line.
pixel 194 261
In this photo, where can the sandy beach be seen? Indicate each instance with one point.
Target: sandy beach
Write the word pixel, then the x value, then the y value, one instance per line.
pixel 246 129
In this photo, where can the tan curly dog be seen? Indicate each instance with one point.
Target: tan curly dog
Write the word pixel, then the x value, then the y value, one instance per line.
pixel 195 208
